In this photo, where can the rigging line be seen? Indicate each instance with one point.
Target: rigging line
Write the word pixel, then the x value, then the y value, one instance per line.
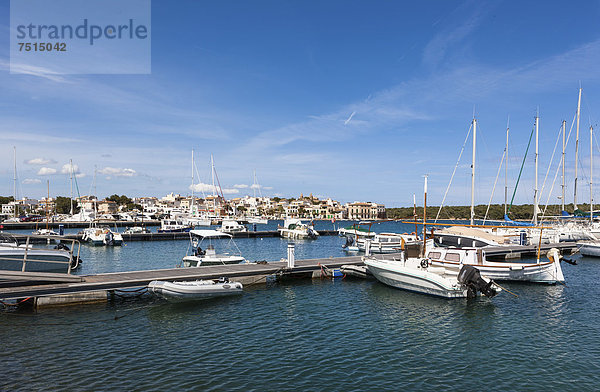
pixel 453 173
pixel 494 188
pixel 521 170
pixel 558 168
pixel 551 160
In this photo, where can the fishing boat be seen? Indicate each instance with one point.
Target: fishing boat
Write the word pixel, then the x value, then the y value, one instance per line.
pixel 452 259
pixel 208 255
pixel 197 289
pixel 297 229
pixel 417 274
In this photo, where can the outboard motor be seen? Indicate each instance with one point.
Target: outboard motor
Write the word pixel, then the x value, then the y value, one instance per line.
pixel 349 241
pixel 470 276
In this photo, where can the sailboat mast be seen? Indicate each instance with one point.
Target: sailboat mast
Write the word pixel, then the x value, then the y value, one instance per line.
pixel 95 197
pixel 535 191
pixel 425 218
pixel 192 205
pixel 591 175
pixel 506 173
pixel 254 183
pixel 71 178
pixel 564 123
pixel 473 172
pixel 15 181
pixel 47 201
pixel 577 150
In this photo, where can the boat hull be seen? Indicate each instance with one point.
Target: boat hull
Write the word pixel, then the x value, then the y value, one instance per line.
pixel 592 250
pixel 185 291
pixel 547 272
pixel 409 277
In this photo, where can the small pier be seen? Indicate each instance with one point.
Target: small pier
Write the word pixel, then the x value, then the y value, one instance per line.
pixel 97 287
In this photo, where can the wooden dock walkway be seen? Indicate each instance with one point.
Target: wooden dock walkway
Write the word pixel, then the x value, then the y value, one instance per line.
pixel 135 279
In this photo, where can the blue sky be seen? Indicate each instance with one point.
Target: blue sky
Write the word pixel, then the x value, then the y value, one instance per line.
pixel 355 100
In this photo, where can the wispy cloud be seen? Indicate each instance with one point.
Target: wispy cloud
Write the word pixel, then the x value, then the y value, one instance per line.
pixel 208 188
pixel 32 181
pixel 240 186
pixel 470 15
pixel 117 172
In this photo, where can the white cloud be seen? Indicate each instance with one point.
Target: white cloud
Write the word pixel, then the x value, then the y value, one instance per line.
pixel 46 171
pixel 40 161
pixel 32 181
pixel 240 186
pixel 208 188
pixel 256 186
pixel 66 169
pixel 117 172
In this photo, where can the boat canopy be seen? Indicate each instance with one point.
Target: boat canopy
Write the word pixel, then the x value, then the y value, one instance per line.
pixel 209 233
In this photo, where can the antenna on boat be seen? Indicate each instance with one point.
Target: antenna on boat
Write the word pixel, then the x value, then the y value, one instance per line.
pixel 71 179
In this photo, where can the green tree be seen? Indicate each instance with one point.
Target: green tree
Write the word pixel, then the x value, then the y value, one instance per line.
pixel 63 205
pixel 6 200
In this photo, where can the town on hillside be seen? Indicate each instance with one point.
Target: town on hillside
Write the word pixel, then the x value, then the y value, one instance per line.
pixel 115 207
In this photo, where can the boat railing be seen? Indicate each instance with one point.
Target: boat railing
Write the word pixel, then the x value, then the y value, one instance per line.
pixel 73 251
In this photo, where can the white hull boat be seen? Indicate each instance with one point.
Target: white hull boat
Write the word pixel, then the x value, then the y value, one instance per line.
pixel 417 275
pixel 296 229
pixel 209 256
pixel 55 259
pixel 191 290
pixel 387 242
pixel 452 259
pixel 590 248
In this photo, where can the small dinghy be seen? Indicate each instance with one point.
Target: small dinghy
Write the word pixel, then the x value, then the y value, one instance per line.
pixel 194 289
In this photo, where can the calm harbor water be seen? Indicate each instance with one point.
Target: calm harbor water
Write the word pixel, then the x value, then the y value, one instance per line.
pixel 346 335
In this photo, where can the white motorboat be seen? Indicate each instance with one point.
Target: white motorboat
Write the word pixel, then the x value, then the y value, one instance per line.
pixel 452 259
pixel 45 232
pixel 27 258
pixel 174 226
pixel 417 274
pixel 232 226
pixel 190 290
pixel 297 229
pixel 137 230
pixel 257 220
pixel 590 248
pixel 387 242
pixel 209 256
pixel 102 235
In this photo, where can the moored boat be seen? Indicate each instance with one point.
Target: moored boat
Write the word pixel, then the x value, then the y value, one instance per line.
pixel 417 275
pixel 197 289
